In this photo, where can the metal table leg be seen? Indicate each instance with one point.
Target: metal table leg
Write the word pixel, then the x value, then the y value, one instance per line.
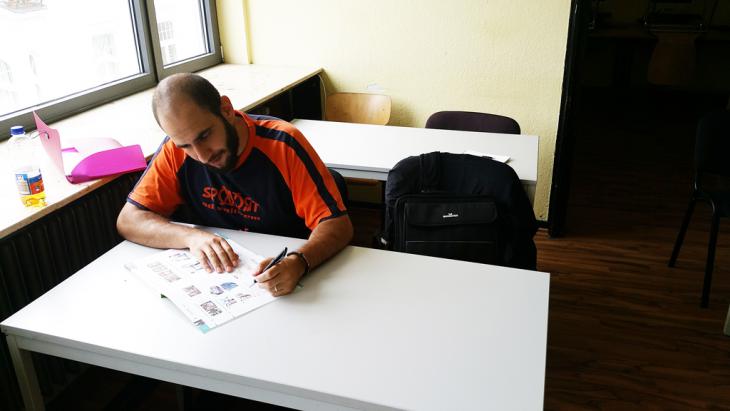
pixel 27 379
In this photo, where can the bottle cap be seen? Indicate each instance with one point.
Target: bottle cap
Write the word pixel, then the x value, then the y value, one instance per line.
pixel 17 130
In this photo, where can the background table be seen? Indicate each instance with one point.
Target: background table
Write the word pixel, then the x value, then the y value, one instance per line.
pixel 370 329
pixel 370 151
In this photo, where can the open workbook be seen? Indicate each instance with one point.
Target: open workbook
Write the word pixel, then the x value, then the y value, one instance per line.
pixel 207 299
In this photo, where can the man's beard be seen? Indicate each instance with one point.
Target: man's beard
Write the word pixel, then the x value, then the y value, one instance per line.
pixel 231 149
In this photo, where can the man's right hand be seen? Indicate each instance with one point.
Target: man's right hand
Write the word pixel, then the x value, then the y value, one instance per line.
pixel 213 252
pixel 153 230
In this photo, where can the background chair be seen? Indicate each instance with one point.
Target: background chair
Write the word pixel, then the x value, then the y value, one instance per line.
pixel 341 185
pixel 366 109
pixel 676 24
pixel 358 108
pixel 712 170
pixel 471 121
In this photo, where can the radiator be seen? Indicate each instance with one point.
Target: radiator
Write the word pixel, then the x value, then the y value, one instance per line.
pixel 39 256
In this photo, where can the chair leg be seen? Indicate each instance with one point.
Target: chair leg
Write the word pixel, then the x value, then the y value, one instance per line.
pixel 184 396
pixel 682 232
pixel 710 258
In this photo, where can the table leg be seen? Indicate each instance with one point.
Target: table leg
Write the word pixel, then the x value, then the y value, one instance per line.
pixel 25 372
pixel 727 323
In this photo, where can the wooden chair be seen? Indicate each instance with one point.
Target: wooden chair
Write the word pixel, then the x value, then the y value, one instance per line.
pixel 358 108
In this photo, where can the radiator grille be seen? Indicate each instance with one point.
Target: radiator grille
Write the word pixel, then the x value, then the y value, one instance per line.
pixel 38 257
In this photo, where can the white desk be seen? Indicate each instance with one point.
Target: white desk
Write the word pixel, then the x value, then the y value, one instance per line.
pixel 370 151
pixel 370 329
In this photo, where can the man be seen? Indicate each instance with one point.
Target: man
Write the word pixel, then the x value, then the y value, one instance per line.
pixel 236 172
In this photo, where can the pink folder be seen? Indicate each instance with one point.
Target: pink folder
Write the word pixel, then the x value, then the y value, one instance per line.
pixel 91 158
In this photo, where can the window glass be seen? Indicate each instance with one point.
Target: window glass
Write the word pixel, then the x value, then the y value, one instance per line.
pixel 60 57
pixel 52 49
pixel 181 29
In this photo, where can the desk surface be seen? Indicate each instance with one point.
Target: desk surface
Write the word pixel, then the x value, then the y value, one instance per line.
pixel 130 121
pixel 370 151
pixel 370 329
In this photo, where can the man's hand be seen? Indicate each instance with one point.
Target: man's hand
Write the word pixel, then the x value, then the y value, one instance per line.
pixel 327 239
pixel 213 252
pixel 282 278
pixel 153 230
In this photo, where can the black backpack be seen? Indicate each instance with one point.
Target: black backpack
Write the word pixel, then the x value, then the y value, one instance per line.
pixel 459 206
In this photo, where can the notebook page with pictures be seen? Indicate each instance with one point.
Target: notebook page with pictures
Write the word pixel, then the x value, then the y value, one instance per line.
pixel 208 300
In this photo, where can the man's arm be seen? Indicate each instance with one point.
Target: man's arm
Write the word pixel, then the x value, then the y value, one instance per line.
pixel 153 230
pixel 326 240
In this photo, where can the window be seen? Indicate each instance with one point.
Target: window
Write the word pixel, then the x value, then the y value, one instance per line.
pixel 105 57
pixel 165 31
pixel 167 42
pixel 187 43
pixel 64 56
pixel 7 94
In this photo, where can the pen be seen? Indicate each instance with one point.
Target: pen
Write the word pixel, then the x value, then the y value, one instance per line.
pixel 273 262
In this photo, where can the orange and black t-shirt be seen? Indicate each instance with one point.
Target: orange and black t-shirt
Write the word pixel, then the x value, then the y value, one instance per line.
pixel 279 185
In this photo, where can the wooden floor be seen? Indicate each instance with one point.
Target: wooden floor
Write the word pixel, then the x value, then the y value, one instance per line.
pixel 625 331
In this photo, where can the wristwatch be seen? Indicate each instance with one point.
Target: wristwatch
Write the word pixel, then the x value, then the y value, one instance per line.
pixel 304 260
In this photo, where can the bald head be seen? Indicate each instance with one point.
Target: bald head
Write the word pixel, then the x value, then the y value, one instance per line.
pixel 187 86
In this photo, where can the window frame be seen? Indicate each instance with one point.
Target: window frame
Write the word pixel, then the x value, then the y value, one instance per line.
pixel 196 63
pixel 150 60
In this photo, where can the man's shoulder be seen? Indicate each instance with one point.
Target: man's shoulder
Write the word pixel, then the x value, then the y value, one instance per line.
pixel 169 152
pixel 276 127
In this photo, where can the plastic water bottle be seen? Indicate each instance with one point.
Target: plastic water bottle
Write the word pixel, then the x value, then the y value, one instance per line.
pixel 27 174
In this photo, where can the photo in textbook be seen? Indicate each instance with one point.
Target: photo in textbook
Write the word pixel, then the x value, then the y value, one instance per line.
pixel 207 299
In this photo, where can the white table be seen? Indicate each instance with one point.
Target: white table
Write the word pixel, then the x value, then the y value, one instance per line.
pixel 370 151
pixel 370 329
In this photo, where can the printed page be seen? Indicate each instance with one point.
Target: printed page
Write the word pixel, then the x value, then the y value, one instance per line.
pixel 207 299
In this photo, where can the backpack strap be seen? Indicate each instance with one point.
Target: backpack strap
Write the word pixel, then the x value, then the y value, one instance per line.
pixel 430 167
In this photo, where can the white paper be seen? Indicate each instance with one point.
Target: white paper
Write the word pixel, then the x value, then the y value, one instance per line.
pixel 206 299
pixel 497 157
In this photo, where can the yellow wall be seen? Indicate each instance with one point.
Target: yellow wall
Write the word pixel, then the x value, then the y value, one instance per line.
pixel 232 29
pixel 498 56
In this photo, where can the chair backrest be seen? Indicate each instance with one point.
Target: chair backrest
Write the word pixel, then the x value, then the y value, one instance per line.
pixel 341 185
pixel 459 176
pixel 712 144
pixel 358 108
pixel 471 121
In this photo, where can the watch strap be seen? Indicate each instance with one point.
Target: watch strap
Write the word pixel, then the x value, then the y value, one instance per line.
pixel 304 260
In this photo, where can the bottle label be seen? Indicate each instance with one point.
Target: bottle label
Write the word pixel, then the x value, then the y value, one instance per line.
pixel 21 180
pixel 36 184
pixel 29 183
